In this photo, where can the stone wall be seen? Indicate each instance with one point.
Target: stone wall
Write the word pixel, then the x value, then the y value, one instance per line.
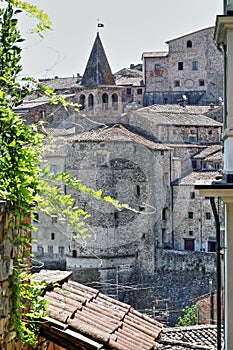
pixel 7 333
pixel 193 67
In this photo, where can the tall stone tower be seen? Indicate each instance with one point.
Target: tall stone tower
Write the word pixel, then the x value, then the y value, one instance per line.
pixel 98 95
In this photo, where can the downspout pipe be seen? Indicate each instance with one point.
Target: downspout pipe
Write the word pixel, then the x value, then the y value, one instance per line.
pixel 218 270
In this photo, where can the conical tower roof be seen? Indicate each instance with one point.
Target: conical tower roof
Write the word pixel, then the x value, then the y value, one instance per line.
pixel 98 71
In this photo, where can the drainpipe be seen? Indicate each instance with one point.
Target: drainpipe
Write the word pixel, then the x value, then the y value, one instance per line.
pixel 218 268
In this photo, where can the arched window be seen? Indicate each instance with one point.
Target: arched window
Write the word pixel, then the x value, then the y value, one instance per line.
pixel 105 101
pixel 90 101
pixel 115 101
pixel 82 101
pixel 74 253
pixel 52 235
pixel 189 43
pixel 165 214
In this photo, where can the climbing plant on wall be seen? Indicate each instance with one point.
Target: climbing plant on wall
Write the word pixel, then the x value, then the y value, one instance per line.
pixel 23 185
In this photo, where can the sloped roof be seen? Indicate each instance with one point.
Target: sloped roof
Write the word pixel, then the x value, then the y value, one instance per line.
pixel 117 133
pixel 177 115
pixel 198 177
pixel 101 321
pixel 193 33
pixel 154 54
pixel 98 71
pixel 192 337
pixel 28 104
pixel 209 152
pixel 59 83
pixel 128 76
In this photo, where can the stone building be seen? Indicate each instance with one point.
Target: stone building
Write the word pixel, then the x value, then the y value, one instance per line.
pixel 192 69
pixel 135 157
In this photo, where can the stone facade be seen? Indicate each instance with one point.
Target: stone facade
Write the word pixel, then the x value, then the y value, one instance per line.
pixel 192 67
pixel 8 336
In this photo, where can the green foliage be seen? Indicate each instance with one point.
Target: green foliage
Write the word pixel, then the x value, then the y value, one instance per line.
pixel 189 317
pixel 44 22
pixel 22 183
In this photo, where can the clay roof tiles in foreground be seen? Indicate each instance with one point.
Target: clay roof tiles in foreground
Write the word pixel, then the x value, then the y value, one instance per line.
pixel 108 323
pixel 81 317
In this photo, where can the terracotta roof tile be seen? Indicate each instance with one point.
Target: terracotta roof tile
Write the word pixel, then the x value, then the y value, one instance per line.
pixel 101 318
pixel 201 336
pixel 208 151
pixel 118 133
pixel 198 177
pixel 177 115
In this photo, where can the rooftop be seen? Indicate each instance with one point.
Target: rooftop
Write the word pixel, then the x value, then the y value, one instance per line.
pixel 80 315
pixel 177 115
pixel 198 177
pixel 117 133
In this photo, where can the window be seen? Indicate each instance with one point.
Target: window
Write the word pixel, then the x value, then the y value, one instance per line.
pixel 157 67
pixel 50 250
pixel 35 217
pixel 138 191
pixel 115 101
pixel 190 214
pixel 192 195
pixel 165 214
pixel 189 244
pixel 74 253
pixel 53 168
pixel 212 246
pixel 201 82
pixel 61 251
pixel 82 101
pixel 54 219
pixel 165 178
pixel 190 233
pixel 101 159
pixel 105 101
pixel 176 83
pixel 165 237
pixel 180 65
pixel 128 91
pixel 42 114
pixel 116 218
pixel 208 216
pixel 52 235
pixel 90 101
pixel 189 44
pixel 195 65
pixel 139 91
pixel 40 250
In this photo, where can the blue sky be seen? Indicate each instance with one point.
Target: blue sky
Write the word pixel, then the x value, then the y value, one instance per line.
pixel 130 28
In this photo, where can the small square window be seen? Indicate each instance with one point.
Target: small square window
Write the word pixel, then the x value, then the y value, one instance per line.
pixel 176 83
pixel 195 65
pixel 157 67
pixel 128 91
pixel 139 91
pixel 201 82
pixel 180 65
pixel 208 216
pixel 190 214
pixel 192 195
